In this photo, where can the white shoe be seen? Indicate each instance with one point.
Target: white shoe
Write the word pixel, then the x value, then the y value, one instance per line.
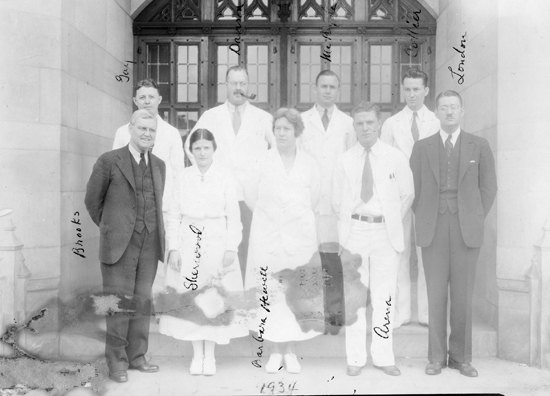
pixel 291 363
pixel 209 367
pixel 196 366
pixel 274 363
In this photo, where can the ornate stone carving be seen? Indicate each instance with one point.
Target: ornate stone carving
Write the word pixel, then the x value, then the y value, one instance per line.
pixel 285 11
pixel 171 31
pixel 292 31
pixel 397 30
pixel 207 30
pixel 137 30
pixel 362 30
pixel 275 31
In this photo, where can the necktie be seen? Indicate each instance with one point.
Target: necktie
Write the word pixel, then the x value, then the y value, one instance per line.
pixel 325 119
pixel 142 163
pixel 236 120
pixel 449 145
pixel 366 188
pixel 414 128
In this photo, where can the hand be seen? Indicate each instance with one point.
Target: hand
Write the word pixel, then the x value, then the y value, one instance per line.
pixel 174 260
pixel 228 258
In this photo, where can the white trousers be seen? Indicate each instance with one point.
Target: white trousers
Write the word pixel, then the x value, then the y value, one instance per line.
pixel 403 291
pixel 378 271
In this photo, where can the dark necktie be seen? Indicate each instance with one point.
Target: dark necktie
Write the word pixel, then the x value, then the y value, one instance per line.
pixel 366 187
pixel 142 163
pixel 449 145
pixel 325 119
pixel 414 128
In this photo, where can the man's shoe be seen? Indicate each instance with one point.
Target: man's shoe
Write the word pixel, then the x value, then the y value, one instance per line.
pixel 146 368
pixel 119 376
pixel 390 370
pixel 435 368
pixel 354 370
pixel 465 368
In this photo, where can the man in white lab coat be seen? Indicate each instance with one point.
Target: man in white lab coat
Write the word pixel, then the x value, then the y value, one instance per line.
pixel 401 131
pixel 372 192
pixel 168 147
pixel 243 133
pixel 327 135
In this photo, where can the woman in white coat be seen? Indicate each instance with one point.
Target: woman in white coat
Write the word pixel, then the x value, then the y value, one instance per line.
pixel 204 302
pixel 283 246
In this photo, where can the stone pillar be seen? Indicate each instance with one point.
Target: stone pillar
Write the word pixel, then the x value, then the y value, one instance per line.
pixel 14 274
pixel 542 263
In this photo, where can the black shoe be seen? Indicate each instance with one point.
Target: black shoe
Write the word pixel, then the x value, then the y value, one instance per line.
pixel 465 368
pixel 146 368
pixel 119 376
pixel 435 368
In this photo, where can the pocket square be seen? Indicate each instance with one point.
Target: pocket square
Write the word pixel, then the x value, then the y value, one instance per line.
pixel 472 161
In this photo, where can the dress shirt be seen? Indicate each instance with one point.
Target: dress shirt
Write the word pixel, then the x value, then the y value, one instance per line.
pixel 137 155
pixel 454 136
pixel 420 114
pixel 373 207
pixel 232 109
pixel 321 111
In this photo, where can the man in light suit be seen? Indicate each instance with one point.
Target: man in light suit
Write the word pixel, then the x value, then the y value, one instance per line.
pixel 327 135
pixel 455 186
pixel 124 198
pixel 373 191
pixel 401 131
pixel 243 134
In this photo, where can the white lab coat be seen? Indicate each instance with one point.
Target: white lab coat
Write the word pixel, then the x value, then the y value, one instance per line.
pixel 240 152
pixel 168 147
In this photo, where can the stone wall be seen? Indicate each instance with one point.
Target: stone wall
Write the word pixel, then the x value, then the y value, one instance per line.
pixel 61 105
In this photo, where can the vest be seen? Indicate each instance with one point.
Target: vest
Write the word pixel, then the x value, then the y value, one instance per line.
pixel 448 178
pixel 145 198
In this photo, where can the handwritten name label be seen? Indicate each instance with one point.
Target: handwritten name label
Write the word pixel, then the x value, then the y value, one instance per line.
pixel 280 386
pixel 80 250
pixel 125 74
pixel 461 64
pixel 261 328
pixel 238 28
pixel 412 50
pixel 195 273
pixel 386 330
pixel 326 32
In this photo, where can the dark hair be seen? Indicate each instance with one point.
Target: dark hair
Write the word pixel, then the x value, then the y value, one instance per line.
pixel 415 73
pixel 447 93
pixel 199 134
pixel 326 73
pixel 293 116
pixel 235 68
pixel 365 107
pixel 149 83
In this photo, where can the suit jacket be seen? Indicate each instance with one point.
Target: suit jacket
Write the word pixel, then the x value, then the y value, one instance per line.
pixel 393 183
pixel 326 147
pixel 396 130
pixel 112 204
pixel 477 187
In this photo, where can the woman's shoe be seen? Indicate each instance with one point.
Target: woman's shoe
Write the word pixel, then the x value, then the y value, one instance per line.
pixel 209 367
pixel 196 366
pixel 274 363
pixel 291 363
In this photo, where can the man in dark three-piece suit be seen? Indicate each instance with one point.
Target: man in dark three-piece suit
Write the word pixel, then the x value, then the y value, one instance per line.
pixel 124 198
pixel 455 187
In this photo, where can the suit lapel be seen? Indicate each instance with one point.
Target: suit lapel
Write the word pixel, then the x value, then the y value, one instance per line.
pixel 350 169
pixel 157 177
pixel 467 147
pixel 316 120
pixel 432 151
pixel 125 165
pixel 405 128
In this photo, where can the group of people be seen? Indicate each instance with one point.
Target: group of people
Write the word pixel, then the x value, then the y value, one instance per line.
pixel 284 225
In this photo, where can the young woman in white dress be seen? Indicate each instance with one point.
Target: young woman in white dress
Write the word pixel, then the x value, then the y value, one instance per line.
pixel 204 300
pixel 283 244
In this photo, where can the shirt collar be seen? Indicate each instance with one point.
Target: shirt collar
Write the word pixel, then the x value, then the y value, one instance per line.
pixel 321 110
pixel 374 149
pixel 409 113
pixel 136 154
pixel 232 107
pixel 454 136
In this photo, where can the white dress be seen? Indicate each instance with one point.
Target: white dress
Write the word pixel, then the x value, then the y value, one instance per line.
pixel 283 242
pixel 204 300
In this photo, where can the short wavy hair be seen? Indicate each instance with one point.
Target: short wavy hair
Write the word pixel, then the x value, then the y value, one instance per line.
pixel 142 113
pixel 293 116
pixel 365 107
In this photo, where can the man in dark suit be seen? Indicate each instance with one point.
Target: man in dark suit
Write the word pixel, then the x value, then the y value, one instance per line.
pixel 455 186
pixel 124 198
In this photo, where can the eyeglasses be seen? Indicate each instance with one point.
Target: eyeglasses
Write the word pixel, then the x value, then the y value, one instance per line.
pixel 452 107
pixel 237 84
